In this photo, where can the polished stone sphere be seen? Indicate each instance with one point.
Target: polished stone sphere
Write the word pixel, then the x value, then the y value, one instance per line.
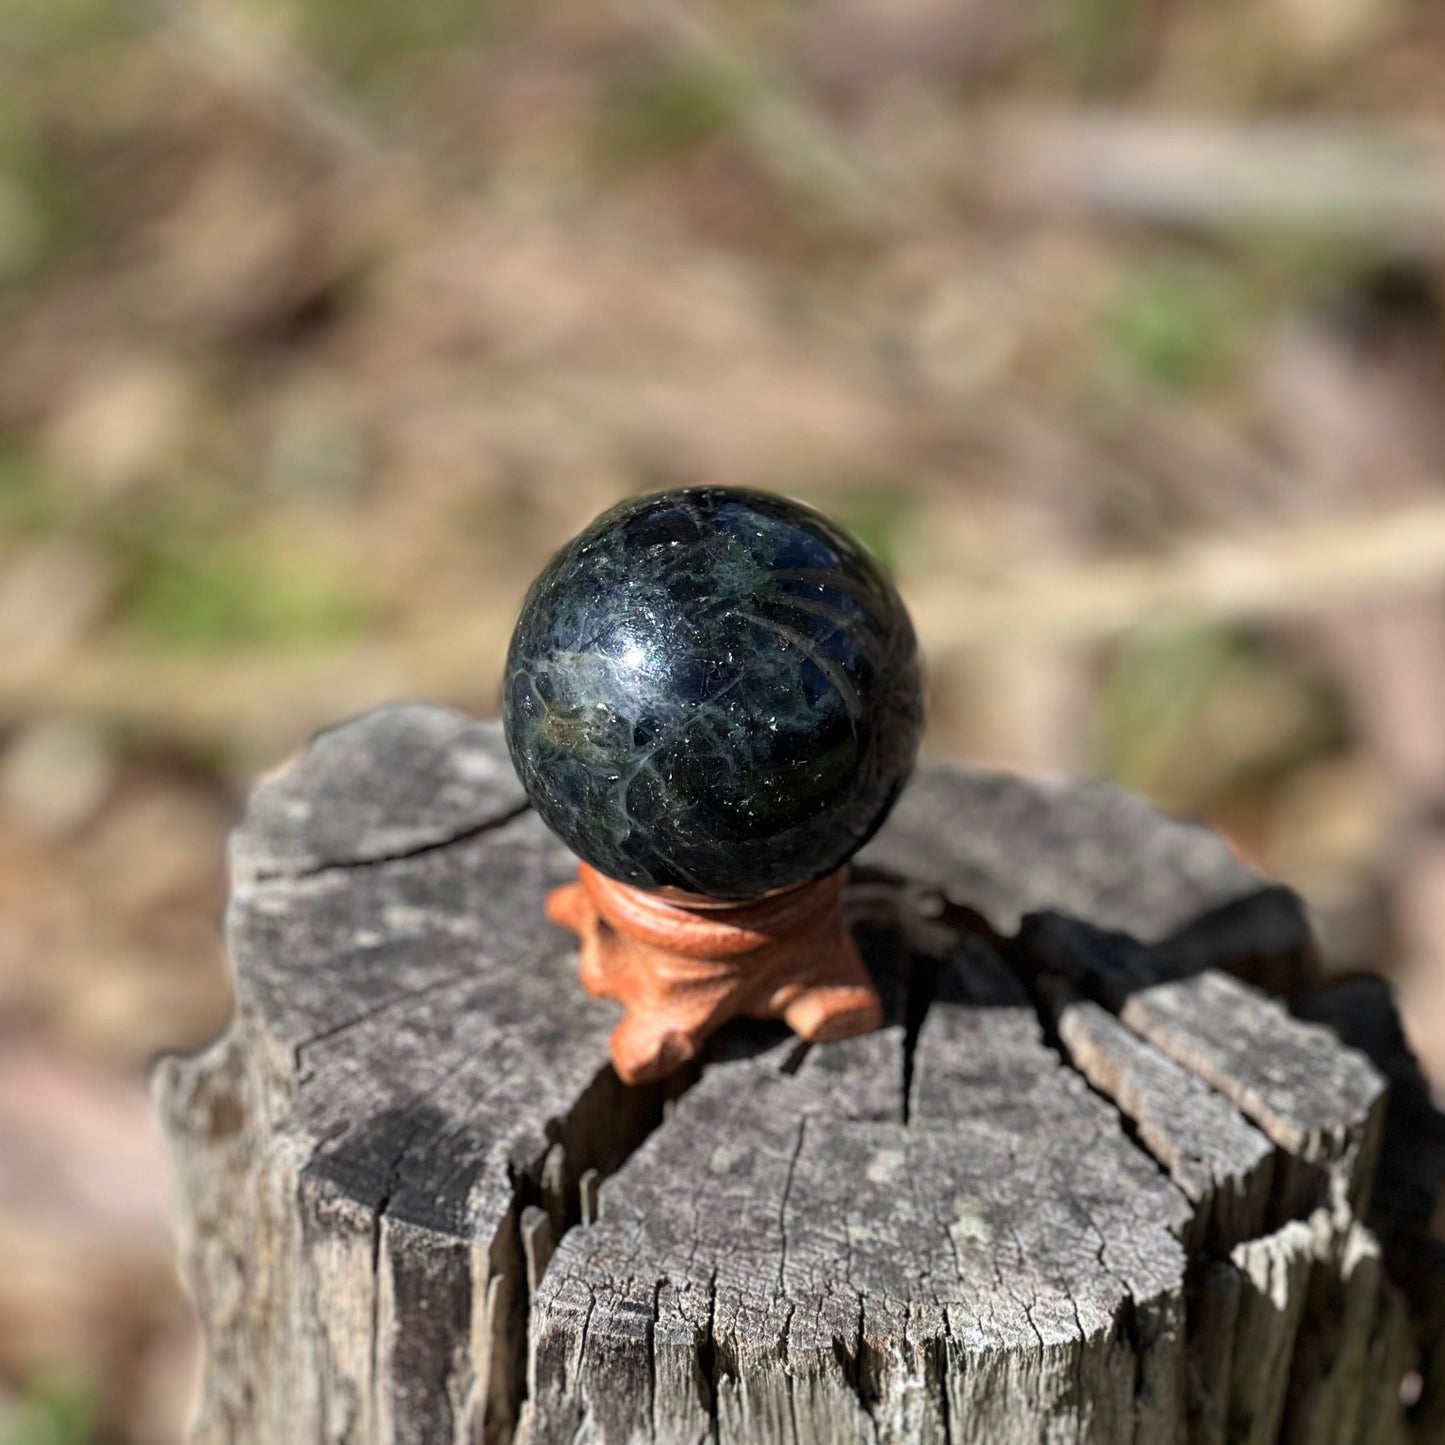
pixel 714 690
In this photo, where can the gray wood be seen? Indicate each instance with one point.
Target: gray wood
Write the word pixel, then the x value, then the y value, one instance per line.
pixel 1224 1165
pixel 1323 1105
pixel 1408 1201
pixel 416 1205
pixel 1006 847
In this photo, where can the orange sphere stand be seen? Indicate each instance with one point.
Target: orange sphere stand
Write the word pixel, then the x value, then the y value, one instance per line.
pixel 682 967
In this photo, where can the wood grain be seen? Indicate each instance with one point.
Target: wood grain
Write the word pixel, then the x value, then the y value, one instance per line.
pixel 1082 1186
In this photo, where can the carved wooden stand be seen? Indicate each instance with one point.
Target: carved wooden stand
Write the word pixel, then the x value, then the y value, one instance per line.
pixel 1085 1184
pixel 683 969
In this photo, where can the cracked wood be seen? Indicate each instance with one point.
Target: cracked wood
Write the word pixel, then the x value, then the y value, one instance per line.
pixel 416 1205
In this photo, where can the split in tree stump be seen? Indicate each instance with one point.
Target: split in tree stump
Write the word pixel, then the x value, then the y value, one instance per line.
pixel 1085 1184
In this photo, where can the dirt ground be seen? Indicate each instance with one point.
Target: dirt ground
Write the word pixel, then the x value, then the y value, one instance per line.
pixel 1114 328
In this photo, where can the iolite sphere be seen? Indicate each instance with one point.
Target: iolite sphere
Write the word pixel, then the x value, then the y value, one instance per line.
pixel 715 690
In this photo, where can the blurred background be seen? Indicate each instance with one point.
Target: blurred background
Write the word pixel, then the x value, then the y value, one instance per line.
pixel 1113 326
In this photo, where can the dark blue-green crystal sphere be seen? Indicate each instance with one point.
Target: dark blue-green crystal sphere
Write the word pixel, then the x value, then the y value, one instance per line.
pixel 715 690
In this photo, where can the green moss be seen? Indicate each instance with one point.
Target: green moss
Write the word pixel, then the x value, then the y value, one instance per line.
pixel 56 1407
pixel 880 518
pixel 1098 42
pixel 368 46
pixel 214 595
pixel 660 113
pixel 1175 324
pixel 29 504
pixel 35 27
pixel 1190 716
pixel 42 209
pixel 1157 683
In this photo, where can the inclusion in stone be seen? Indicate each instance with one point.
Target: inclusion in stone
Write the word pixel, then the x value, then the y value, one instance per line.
pixel 715 690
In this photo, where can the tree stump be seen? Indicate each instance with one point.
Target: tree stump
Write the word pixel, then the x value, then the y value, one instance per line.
pixel 1086 1184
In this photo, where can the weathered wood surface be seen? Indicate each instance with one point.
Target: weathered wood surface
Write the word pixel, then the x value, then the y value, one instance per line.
pixel 1085 1185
